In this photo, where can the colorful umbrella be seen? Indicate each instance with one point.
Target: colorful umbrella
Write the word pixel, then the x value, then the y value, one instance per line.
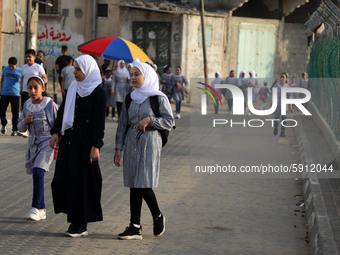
pixel 114 48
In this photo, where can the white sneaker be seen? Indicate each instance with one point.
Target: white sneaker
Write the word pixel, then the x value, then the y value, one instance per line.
pixel 23 134
pixel 36 214
pixel 113 118
pixel 178 115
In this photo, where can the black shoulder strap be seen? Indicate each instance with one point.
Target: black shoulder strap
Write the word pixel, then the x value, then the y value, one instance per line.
pixel 153 102
pixel 155 105
pixel 128 100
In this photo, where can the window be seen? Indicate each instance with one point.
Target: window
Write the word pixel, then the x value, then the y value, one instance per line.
pixel 102 10
pixel 44 8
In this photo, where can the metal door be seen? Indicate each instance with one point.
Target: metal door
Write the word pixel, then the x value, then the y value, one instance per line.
pixel 154 38
pixel 256 48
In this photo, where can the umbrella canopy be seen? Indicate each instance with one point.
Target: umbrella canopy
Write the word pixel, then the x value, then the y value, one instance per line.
pixel 114 48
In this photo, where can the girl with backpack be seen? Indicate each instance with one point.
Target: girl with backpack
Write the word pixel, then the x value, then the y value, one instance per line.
pixel 180 84
pixel 277 114
pixel 263 94
pixel 138 135
pixel 38 117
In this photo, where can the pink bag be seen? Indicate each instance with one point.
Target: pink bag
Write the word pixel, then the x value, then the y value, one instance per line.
pixel 179 86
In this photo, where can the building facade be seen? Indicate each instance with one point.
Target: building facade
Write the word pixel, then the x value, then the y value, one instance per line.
pixel 171 34
pixel 19 26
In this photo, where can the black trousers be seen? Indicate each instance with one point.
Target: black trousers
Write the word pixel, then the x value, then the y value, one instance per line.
pixel 24 97
pixel 136 198
pixel 276 123
pixel 107 111
pixel 119 108
pixel 4 101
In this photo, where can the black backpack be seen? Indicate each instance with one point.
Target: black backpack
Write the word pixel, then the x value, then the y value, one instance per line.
pixel 155 108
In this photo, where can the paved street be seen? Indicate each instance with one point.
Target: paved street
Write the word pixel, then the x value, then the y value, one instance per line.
pixel 204 215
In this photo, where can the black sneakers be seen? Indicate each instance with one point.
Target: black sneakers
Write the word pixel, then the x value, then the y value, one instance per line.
pixel 159 225
pixel 131 233
pixel 76 230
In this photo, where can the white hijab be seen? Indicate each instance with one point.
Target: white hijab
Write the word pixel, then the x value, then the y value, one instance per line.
pixel 217 80
pixel 240 75
pixel 253 73
pixel 89 67
pixel 122 70
pixel 150 86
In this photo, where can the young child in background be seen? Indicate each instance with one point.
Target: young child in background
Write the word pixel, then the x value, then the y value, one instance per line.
pixel 292 84
pixel 278 115
pixel 109 89
pixel 180 84
pixel 263 94
pixel 67 76
pixel 304 82
pixel 10 93
pixel 28 70
pixel 38 117
pixel 217 80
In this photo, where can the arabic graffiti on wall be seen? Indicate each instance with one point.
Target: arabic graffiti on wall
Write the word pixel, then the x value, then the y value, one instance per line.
pixel 51 37
pixel 57 36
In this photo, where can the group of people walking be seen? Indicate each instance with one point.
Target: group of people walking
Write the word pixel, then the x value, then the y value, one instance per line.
pixel 73 135
pixel 263 93
pixel 118 83
pixel 174 86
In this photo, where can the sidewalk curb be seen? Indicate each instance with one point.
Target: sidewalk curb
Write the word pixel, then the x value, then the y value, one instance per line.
pixel 327 132
pixel 320 231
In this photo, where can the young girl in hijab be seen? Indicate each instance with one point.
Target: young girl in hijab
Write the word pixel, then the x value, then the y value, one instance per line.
pixel 179 85
pixel 167 82
pixel 110 95
pixel 277 114
pixel 79 131
pixel 252 83
pixel 243 85
pixel 120 80
pixel 138 135
pixel 304 81
pixel 232 80
pixel 38 116
pixel 217 80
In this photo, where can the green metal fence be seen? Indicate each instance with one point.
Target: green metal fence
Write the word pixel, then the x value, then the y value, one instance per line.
pixel 324 73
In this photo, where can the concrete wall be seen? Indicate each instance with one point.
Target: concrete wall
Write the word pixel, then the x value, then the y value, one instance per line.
pixel 75 20
pixel 110 26
pixel 294 55
pixel 291 53
pixel 192 51
pixel 72 27
pixel 14 44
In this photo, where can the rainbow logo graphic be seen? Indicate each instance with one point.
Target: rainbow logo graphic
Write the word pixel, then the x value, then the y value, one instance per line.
pixel 208 92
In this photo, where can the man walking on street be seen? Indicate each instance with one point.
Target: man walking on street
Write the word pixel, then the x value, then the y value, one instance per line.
pixel 60 63
pixel 10 93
